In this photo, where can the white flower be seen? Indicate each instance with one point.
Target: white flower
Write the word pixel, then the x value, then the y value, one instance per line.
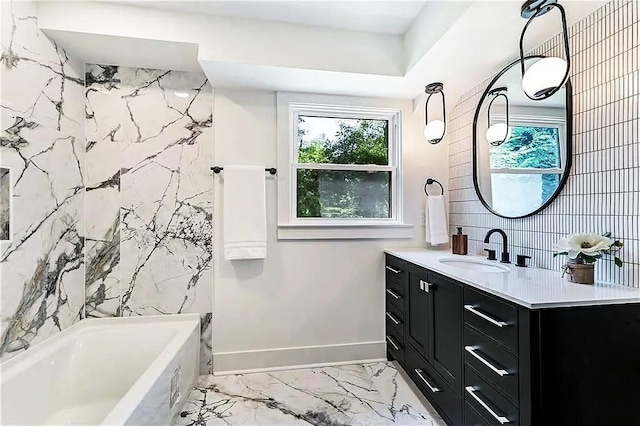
pixel 587 244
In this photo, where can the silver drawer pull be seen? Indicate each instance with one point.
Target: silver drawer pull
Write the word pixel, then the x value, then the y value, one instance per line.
pixel 395 346
pixel 502 419
pixel 392 293
pixel 431 388
pixel 493 368
pixel 395 271
pixel 425 285
pixel 493 321
pixel 392 318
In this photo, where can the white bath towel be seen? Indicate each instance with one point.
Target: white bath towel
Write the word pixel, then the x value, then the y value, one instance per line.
pixel 436 228
pixel 244 213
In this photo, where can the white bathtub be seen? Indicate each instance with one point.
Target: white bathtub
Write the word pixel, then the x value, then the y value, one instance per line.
pixel 111 371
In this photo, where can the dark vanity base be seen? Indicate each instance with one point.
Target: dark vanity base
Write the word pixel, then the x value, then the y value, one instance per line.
pixel 501 363
pixel 588 365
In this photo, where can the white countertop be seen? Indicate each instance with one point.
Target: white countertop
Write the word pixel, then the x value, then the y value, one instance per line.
pixel 533 288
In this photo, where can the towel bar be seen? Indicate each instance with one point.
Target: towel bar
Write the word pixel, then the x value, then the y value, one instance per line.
pixel 218 169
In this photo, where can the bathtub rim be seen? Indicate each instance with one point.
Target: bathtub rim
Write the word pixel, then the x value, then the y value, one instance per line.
pixel 136 393
pixel 130 400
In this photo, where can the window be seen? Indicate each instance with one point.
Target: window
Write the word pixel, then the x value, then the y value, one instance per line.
pixel 530 163
pixel 343 167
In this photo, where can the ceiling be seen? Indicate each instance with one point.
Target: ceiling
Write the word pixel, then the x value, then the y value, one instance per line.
pixel 377 16
pixel 386 49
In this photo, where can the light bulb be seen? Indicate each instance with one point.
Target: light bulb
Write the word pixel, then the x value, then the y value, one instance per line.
pixel 183 95
pixel 544 76
pixel 498 133
pixel 434 131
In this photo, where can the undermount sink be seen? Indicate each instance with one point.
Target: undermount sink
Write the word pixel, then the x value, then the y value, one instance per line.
pixel 474 265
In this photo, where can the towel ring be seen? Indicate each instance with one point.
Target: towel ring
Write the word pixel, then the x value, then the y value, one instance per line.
pixel 432 181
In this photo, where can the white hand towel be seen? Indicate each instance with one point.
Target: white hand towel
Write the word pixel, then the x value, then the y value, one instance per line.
pixel 244 213
pixel 436 228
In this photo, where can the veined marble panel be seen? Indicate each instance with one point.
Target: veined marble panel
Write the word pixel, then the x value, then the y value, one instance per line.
pixel 5 204
pixel 149 194
pixel 105 135
pixel 369 394
pixel 42 268
pixel 206 344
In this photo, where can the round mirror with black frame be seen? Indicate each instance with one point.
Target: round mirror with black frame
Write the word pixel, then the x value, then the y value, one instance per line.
pixel 521 147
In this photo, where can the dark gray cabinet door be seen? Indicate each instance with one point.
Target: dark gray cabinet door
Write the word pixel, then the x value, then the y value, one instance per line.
pixel 418 327
pixel 446 354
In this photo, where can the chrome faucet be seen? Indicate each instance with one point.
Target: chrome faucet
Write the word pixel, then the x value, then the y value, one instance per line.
pixel 504 258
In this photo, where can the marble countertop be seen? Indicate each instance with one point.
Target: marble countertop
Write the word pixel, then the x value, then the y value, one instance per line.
pixel 533 288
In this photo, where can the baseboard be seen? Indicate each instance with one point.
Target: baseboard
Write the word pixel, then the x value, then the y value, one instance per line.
pixel 299 357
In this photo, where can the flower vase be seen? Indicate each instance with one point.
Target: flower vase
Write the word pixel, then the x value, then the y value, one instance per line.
pixel 579 272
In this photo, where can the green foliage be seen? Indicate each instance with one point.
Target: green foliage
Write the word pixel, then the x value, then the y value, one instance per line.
pixel 308 194
pixel 344 194
pixel 528 147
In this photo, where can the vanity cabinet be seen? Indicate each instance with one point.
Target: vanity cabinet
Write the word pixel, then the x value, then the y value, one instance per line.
pixel 483 360
pixel 419 312
pixel 433 334
pixel 395 310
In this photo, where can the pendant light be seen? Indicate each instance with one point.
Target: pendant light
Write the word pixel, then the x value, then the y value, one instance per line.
pixel 548 75
pixel 434 130
pixel 498 133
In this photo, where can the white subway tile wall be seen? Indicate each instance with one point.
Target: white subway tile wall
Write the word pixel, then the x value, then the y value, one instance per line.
pixel 603 190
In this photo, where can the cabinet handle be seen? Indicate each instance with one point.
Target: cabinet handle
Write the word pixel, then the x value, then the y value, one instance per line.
pixel 431 388
pixel 395 346
pixel 392 293
pixel 493 368
pixel 395 271
pixel 392 318
pixel 502 419
pixel 425 285
pixel 493 321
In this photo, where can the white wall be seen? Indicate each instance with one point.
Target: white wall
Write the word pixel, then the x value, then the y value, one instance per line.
pixel 306 294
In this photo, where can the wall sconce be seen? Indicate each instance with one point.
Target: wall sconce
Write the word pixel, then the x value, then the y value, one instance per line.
pixel 498 133
pixel 434 130
pixel 544 78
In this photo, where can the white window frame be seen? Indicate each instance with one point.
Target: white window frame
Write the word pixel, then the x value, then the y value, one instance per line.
pixel 536 121
pixel 290 107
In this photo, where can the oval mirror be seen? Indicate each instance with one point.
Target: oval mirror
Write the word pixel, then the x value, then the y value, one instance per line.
pixel 521 148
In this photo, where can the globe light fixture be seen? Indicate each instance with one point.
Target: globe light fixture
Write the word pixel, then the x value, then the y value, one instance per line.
pixel 434 130
pixel 498 133
pixel 548 75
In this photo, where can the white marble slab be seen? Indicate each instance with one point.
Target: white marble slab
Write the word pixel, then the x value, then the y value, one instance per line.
pixel 42 268
pixel 149 194
pixel 530 287
pixel 359 394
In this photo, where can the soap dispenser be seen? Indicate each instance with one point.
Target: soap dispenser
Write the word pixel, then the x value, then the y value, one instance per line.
pixel 460 243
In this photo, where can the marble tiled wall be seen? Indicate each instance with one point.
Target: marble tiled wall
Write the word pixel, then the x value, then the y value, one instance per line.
pixel 603 190
pixel 41 97
pixel 149 194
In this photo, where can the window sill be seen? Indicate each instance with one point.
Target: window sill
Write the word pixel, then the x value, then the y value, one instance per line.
pixel 344 231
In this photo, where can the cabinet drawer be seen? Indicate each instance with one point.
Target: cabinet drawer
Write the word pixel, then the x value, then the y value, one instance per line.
pixel 495 364
pixel 471 418
pixel 395 294
pixel 434 387
pixel 395 270
pixel 492 407
pixel 395 346
pixel 394 319
pixel 493 317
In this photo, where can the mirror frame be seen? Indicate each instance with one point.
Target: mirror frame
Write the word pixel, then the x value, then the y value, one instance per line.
pixel 569 141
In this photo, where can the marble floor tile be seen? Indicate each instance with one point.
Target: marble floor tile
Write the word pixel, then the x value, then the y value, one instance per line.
pixel 359 394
